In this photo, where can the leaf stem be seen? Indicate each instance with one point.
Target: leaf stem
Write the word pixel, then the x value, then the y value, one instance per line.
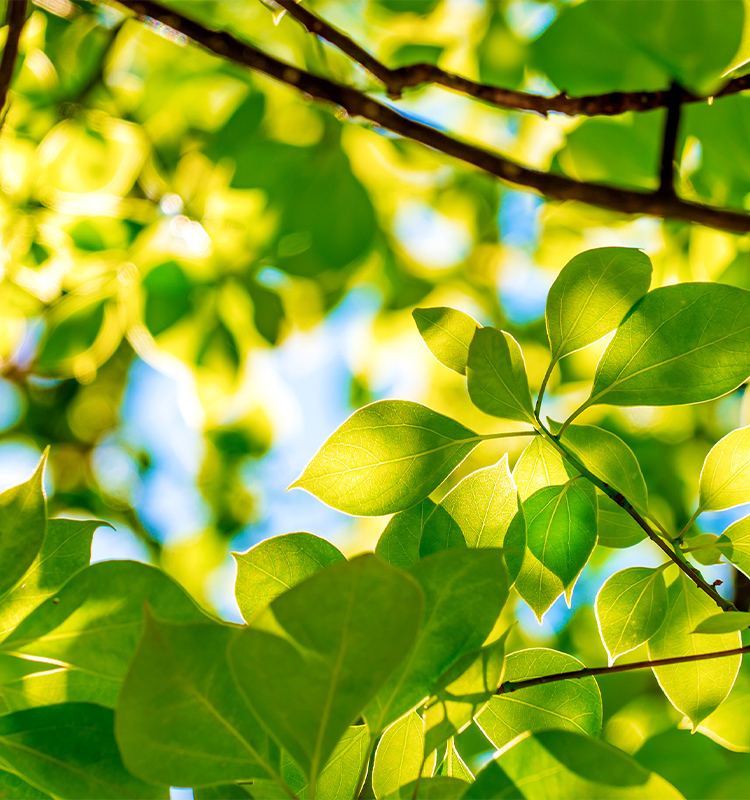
pixel 545 381
pixel 15 19
pixel 506 435
pixel 689 524
pixel 570 419
pixel 627 506
pixel 514 686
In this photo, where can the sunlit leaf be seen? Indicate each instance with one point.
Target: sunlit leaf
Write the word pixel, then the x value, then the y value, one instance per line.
pixel 539 466
pixel 560 537
pixel 591 295
pixel 483 510
pixel 398 759
pixel 66 549
pixel 347 628
pixel 24 513
pixel 496 376
pixel 725 477
pixel 386 457
pixel 574 705
pixel 493 784
pixel 453 765
pixel 630 607
pixel 180 716
pixel 616 527
pixel 94 622
pixel 734 544
pixel 725 622
pixel 680 344
pixel 440 787
pixel 465 592
pixel 448 333
pixel 275 565
pixel 695 688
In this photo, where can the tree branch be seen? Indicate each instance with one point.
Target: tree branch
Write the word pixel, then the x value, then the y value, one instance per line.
pixel 15 19
pixel 669 142
pixel 514 686
pixel 414 75
pixel 356 103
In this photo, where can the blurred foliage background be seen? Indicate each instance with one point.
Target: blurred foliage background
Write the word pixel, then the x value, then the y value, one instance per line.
pixel 204 272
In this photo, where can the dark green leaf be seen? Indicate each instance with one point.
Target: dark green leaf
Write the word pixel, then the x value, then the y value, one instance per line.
pixel 347 628
pixel 437 788
pixel 616 527
pixel 399 542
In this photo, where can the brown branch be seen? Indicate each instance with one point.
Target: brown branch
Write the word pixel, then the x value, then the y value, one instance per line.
pixel 358 104
pixel 514 686
pixel 669 142
pixel 414 75
pixel 15 19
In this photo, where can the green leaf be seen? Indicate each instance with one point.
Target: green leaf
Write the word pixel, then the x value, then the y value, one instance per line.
pixel 386 457
pixel 560 537
pixel 540 466
pixel 180 717
pixel 493 784
pixel 398 759
pixel 448 334
pixel 398 545
pixel 23 511
pixel 680 344
pixel 591 295
pixel 462 692
pixel 437 788
pixel 275 565
pixel 94 622
pixel 69 751
pixel 236 791
pixel 570 705
pixel 729 725
pixel 630 607
pixel 340 776
pixel 453 765
pixel 565 765
pixel 347 628
pixel 703 548
pixel 725 622
pixel 465 591
pixel 725 477
pixel 483 510
pixel 610 459
pixel 12 786
pixel 496 376
pixel 695 688
pixel 734 544
pixel 616 527
pixel 65 550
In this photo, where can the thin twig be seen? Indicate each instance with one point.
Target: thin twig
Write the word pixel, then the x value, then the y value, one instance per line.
pixel 15 19
pixel 355 103
pixel 514 686
pixel 414 75
pixel 676 556
pixel 669 142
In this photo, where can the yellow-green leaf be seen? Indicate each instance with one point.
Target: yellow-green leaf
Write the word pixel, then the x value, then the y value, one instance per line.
pixel 725 477
pixel 448 333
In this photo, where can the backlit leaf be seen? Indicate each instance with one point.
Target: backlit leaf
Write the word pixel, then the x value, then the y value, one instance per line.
pixel 560 537
pixel 493 784
pixel 725 622
pixel 539 466
pixel 695 688
pixel 734 544
pixel 591 295
pixel 725 477
pixel 574 705
pixel 630 607
pixel 680 344
pixel 616 527
pixel 440 787
pixel 448 333
pixel 275 565
pixel 386 457
pixel 23 515
pixel 483 510
pixel 453 765
pixel 465 592
pixel 496 376
pixel 398 759
pixel 346 629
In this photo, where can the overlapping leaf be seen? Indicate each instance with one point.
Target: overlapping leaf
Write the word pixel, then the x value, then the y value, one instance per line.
pixel 725 477
pixel 448 333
